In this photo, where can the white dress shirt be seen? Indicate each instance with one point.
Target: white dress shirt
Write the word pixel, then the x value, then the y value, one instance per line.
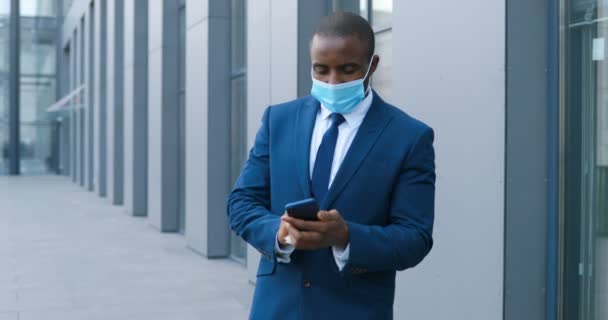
pixel 346 134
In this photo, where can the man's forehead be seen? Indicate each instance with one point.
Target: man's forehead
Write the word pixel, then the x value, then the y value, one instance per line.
pixel 349 48
pixel 331 41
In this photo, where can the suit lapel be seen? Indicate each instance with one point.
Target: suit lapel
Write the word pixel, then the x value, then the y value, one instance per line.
pixel 369 131
pixel 305 122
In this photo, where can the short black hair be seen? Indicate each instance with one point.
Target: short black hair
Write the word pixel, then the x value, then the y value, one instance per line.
pixel 344 24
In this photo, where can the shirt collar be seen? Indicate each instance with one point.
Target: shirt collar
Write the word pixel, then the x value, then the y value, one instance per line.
pixel 355 117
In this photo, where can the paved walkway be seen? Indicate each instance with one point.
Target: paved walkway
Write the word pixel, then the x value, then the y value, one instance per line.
pixel 67 254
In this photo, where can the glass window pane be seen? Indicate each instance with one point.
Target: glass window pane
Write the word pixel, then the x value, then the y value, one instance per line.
pixel 382 14
pixel 382 80
pixel 37 86
pixel 585 233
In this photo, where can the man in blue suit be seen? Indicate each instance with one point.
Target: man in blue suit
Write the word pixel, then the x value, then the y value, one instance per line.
pixel 369 165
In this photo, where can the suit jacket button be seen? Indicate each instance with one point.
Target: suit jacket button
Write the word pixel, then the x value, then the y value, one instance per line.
pixel 307 284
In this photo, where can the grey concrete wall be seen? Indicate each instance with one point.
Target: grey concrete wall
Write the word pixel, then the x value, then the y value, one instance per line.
pixel 135 106
pixel 114 96
pixel 100 96
pixel 449 72
pixel 272 74
pixel 163 133
pixel 207 126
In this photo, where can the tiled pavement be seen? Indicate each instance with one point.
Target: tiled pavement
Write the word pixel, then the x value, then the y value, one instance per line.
pixel 67 254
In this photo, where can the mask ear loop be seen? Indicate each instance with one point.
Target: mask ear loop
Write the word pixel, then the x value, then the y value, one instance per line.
pixel 369 67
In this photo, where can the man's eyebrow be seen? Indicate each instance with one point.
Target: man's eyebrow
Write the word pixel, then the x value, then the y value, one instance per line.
pixel 316 64
pixel 349 64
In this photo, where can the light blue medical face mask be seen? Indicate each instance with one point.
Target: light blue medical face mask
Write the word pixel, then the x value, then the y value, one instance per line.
pixel 341 98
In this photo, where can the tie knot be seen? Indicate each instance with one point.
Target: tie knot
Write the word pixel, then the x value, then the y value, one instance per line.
pixel 336 119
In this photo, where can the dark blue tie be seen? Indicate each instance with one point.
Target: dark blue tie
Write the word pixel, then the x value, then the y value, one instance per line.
pixel 325 157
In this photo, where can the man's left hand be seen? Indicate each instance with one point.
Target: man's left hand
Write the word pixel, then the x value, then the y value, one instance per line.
pixel 329 231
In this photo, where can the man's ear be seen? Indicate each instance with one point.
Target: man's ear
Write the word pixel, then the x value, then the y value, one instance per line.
pixel 375 61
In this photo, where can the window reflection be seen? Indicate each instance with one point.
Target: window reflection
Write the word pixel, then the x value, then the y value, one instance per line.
pixel 37 84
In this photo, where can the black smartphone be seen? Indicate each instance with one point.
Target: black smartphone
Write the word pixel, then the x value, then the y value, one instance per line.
pixel 306 209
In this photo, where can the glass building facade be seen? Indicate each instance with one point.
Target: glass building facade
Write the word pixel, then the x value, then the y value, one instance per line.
pixel 36 86
pixel 38 34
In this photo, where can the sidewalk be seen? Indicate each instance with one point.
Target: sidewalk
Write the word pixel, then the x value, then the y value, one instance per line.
pixel 67 254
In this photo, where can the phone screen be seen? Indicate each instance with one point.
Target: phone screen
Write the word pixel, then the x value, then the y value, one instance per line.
pixel 305 209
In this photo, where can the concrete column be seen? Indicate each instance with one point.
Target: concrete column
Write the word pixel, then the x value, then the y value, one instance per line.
pixel 114 96
pixel 272 68
pixel 73 111
pixel 455 82
pixel 135 107
pixel 163 120
pixel 100 96
pixel 82 102
pixel 88 99
pixel 207 126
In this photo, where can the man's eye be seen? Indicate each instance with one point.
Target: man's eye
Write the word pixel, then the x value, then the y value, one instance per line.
pixel 349 70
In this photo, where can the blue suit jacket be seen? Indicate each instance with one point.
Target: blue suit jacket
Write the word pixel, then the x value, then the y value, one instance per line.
pixel 384 189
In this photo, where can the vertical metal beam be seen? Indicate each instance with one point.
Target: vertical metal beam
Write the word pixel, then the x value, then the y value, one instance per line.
pixel 14 73
pixel 528 159
pixel 553 79
pixel 139 124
